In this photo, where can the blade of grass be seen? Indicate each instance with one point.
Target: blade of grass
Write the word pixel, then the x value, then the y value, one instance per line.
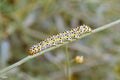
pixel 54 47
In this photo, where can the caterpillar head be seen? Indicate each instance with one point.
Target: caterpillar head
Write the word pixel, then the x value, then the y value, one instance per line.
pixel 35 49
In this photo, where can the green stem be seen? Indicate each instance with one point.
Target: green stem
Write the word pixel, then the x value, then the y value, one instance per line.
pixel 67 63
pixel 54 47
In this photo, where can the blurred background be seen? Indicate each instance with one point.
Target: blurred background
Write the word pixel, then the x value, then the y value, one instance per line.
pixel 26 22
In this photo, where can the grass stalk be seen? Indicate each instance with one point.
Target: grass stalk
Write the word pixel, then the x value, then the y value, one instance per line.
pixel 67 64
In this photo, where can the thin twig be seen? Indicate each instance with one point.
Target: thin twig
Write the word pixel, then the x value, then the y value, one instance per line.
pixel 67 63
pixel 54 47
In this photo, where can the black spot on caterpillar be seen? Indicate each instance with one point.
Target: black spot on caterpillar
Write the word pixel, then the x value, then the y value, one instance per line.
pixel 60 38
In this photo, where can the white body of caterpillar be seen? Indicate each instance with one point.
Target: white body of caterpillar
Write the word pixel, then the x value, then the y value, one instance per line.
pixel 69 35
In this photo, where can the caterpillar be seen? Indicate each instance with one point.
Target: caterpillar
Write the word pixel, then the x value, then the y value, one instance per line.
pixel 60 38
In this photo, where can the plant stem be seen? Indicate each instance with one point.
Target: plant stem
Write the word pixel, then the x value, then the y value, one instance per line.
pixel 67 63
pixel 54 47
